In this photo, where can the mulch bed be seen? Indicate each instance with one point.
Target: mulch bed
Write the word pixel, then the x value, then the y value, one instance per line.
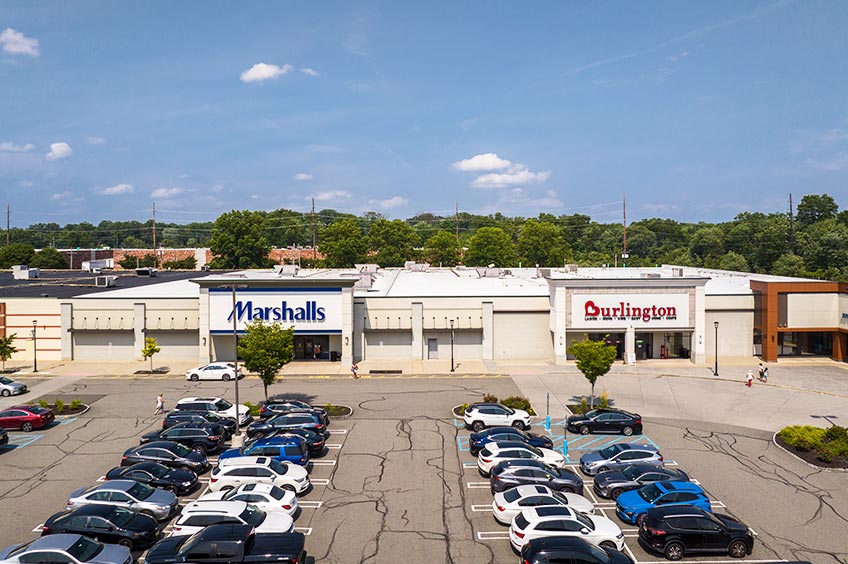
pixel 68 410
pixel 339 411
pixel 811 457
pixel 154 371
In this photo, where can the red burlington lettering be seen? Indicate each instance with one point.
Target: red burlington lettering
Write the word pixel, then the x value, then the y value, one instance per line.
pixel 591 309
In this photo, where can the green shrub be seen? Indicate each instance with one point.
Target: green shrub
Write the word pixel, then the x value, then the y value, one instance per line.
pixel 60 406
pixel 463 407
pixel 254 408
pixel 836 433
pixel 584 406
pixel 490 398
pixel 75 404
pixel 803 437
pixel 518 402
pixel 334 410
pixel 605 400
pixel 43 403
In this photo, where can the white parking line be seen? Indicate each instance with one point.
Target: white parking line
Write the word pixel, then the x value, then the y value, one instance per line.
pixel 716 503
pixel 38 528
pixel 477 485
pixel 694 481
pixel 492 535
pixel 310 504
pixel 323 462
pixel 481 508
pixel 320 482
pixel 338 432
pixel 715 561
pixel 101 479
pixel 333 446
pixel 305 530
pixel 469 465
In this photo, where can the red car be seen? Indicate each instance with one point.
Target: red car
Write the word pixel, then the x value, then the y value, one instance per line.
pixel 26 417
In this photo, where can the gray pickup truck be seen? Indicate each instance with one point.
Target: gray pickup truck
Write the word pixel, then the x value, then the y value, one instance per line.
pixel 233 544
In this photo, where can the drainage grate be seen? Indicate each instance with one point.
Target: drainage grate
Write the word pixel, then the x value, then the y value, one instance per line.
pixel 385 372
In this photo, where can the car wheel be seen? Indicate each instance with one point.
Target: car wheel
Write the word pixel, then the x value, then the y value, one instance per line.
pixel 640 519
pixel 609 545
pixel 149 514
pixel 195 377
pixel 6 393
pixel 602 469
pixel 199 448
pixel 126 542
pixel 26 427
pixel 673 551
pixel 225 377
pixel 738 549
pixel 290 488
pixel 615 493
pixel 478 426
pixel 518 425
pixel 627 431
pixel 187 468
pixel 584 430
pixel 474 452
pixel 484 474
pixel 567 489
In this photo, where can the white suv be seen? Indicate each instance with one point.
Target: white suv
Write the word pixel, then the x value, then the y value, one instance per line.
pixel 218 406
pixel 199 514
pixel 495 453
pixel 559 520
pixel 478 416
pixel 266 497
pixel 233 472
pixel 216 371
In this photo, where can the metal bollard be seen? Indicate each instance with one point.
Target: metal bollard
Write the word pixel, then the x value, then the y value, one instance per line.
pixel 547 422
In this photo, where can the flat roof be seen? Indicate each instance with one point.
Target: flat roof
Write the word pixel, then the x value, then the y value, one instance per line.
pixel 455 282
pixel 71 283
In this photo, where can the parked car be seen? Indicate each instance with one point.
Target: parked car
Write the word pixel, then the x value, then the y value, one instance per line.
pixel 4 437
pixel 493 453
pixel 26 417
pixel 218 406
pixel 105 523
pixel 233 472
pixel 573 550
pixel 612 483
pixel 167 453
pixel 538 522
pixel 199 514
pixel 512 473
pixel 225 371
pixel 137 497
pixel 156 475
pixel 498 434
pixel 304 420
pixel 233 544
pixel 266 497
pixel 678 531
pixel 631 507
pixel 508 504
pixel 66 549
pixel 618 456
pixel 198 417
pixel 478 416
pixel 9 387
pixel 283 449
pixel 203 437
pixel 315 441
pixel 605 421
pixel 280 406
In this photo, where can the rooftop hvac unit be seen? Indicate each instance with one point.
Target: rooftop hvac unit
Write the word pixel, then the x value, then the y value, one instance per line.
pixel 23 272
pixel 367 267
pixel 104 281
pixel 146 271
pixel 286 269
pixel 651 275
pixel 678 272
pixel 571 268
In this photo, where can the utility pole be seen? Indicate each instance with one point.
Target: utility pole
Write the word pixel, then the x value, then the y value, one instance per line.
pixel 155 255
pixel 624 255
pixel 456 216
pixel 313 233
pixel 791 226
pixel 8 212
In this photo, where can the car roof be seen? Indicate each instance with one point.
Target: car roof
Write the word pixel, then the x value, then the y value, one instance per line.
pixel 671 485
pixel 117 485
pixel 547 512
pixel 559 542
pixel 201 398
pixel 527 489
pixel 61 541
pixel 497 446
pixel 244 461
pixel 664 511
pixel 278 441
pixel 518 463
pixel 257 488
pixel 93 509
pixel 156 444
pixel 23 407
pixel 635 446
pixel 486 404
pixel 233 507
pixel 225 533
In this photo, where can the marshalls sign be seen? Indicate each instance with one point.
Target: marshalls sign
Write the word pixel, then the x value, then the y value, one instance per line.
pixel 623 310
pixel 314 310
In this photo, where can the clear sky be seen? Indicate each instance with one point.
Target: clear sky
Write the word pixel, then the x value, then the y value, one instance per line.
pixel 695 110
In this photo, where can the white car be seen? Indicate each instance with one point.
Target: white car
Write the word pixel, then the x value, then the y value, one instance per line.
pixel 494 453
pixel 266 497
pixel 216 371
pixel 478 416
pixel 555 521
pixel 9 387
pixel 233 472
pixel 199 514
pixel 510 503
pixel 217 406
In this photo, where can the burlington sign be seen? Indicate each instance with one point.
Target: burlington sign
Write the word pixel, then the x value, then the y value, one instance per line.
pixel 308 311
pixel 624 310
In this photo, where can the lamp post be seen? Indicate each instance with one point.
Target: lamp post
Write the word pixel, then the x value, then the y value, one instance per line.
pixel 237 439
pixel 34 345
pixel 715 324
pixel 453 368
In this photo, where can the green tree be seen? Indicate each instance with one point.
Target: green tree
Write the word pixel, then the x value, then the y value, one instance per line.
pixel 733 261
pixel 131 262
pixel 188 263
pixel 343 244
pixel 237 240
pixel 814 208
pixel 442 249
pixel 789 265
pixel 150 348
pixel 16 253
pixel 393 241
pixel 265 349
pixel 133 242
pixel 594 359
pixel 707 243
pixel 7 349
pixel 49 258
pixel 542 243
pixel 491 245
pixel 824 245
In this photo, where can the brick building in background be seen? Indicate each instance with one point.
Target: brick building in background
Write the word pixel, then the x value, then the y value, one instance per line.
pixel 76 257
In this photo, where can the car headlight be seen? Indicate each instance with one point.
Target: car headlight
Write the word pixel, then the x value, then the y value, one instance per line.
pixel 163 507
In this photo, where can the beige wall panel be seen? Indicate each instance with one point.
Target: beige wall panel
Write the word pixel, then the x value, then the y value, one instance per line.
pixel 812 310
pixel 104 345
pixel 522 335
pixel 467 344
pixel 175 345
pixel 388 344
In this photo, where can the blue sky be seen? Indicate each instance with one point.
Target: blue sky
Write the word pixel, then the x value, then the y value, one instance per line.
pixel 696 111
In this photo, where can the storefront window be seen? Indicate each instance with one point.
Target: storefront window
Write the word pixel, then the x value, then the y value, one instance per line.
pixel 818 343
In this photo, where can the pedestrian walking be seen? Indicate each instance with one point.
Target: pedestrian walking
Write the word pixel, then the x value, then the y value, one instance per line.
pixel 760 371
pixel 160 404
pixel 354 369
pixel 764 378
pixel 749 378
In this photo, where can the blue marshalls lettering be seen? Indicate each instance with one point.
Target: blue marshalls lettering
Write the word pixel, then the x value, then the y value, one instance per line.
pixel 309 312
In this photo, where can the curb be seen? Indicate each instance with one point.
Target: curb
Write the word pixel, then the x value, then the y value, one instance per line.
pixel 340 417
pixel 795 456
pixel 83 412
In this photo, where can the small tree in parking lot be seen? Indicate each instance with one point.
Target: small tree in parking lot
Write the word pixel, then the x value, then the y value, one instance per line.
pixel 7 349
pixel 594 359
pixel 265 349
pixel 150 348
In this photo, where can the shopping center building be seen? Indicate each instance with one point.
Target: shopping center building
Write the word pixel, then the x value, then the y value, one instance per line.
pixel 424 313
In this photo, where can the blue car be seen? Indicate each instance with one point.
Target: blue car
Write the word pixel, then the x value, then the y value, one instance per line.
pixel 283 449
pixel 631 507
pixel 499 434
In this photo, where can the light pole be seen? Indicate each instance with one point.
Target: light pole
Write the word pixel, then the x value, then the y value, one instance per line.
pixel 34 345
pixel 715 324
pixel 237 438
pixel 452 365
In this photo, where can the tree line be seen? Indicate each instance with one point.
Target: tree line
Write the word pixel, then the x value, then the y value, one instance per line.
pixel 812 243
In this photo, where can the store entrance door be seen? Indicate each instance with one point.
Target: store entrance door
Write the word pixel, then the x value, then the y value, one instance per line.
pixel 311 347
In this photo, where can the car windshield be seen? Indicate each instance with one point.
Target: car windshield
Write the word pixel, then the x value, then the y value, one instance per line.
pixel 157 470
pixel 37 409
pixel 278 467
pixel 609 451
pixel 85 549
pixel 120 517
pixel 520 522
pixel 632 472
pixel 511 495
pixel 584 520
pixel 252 516
pixel 276 493
pixel 4 380
pixel 140 491
pixel 534 450
pixel 649 493
pixel 223 405
pixel 559 497
pixel 590 414
pixel 180 450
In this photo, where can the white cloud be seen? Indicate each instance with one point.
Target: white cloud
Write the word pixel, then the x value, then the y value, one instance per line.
pixel 60 150
pixel 264 71
pixel 310 72
pixel 60 196
pixel 480 163
pixel 17 43
pixel 9 147
pixel 390 203
pixel 516 176
pixel 830 163
pixel 166 193
pixel 326 149
pixel 302 176
pixel 331 195
pixel 118 189
pixel 217 188
pixel 95 141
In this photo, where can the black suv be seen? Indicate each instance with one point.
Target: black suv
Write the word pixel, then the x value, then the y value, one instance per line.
pixel 176 417
pixel 605 421
pixel 678 530
pixel 278 407
pixel 167 453
pixel 520 472
pixel 310 421
pixel 548 550
pixel 202 437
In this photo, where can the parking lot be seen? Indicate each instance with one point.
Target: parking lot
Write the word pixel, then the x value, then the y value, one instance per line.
pixel 398 484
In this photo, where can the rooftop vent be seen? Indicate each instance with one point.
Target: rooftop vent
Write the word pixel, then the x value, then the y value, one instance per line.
pixel 367 267
pixel 23 272
pixel 104 281
pixel 651 275
pixel 289 270
pixel 413 266
pixel 145 271
pixel 677 271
